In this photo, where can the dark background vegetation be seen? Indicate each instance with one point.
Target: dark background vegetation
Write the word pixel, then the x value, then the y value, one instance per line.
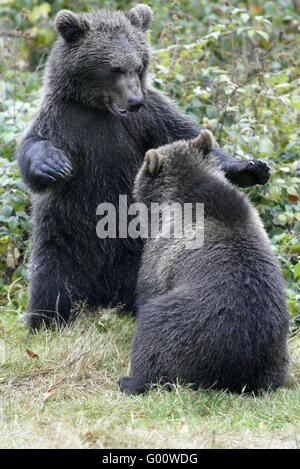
pixel 233 66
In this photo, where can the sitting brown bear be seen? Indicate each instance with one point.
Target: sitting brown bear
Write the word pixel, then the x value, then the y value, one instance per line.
pixel 214 315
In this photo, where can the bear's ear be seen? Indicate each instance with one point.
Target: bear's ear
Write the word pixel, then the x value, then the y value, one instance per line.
pixel 154 161
pixel 204 143
pixel 141 16
pixel 70 25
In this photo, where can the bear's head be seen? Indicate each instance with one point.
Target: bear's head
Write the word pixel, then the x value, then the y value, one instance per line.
pixel 174 171
pixel 100 59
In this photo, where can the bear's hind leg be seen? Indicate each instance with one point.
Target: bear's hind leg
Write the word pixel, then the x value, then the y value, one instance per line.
pixel 56 283
pixel 48 305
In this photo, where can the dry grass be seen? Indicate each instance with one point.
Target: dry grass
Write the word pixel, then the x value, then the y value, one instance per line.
pixel 67 397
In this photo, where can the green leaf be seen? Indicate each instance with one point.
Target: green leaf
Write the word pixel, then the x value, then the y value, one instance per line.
pixel 297 270
pixel 6 211
pixel 265 146
pixel 12 223
pixel 263 34
pixel 41 11
pixel 270 8
pixel 295 102
pixel 245 17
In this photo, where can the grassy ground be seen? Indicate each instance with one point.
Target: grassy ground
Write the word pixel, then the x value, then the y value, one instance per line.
pixel 58 390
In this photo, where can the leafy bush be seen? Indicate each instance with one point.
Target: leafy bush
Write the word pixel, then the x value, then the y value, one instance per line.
pixel 232 66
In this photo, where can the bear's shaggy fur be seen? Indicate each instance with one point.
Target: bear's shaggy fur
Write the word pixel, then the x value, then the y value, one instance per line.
pixel 85 147
pixel 215 315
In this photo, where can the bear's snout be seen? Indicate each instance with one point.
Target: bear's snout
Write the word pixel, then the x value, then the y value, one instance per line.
pixel 135 104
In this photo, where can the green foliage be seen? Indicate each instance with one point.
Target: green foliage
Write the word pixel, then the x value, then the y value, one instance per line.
pixel 232 66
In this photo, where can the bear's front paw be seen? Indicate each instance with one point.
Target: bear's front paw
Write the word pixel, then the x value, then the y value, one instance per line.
pixel 248 172
pixel 259 170
pixel 51 167
pixel 129 386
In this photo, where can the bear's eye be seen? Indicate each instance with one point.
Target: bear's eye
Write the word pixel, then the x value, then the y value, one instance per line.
pixel 116 70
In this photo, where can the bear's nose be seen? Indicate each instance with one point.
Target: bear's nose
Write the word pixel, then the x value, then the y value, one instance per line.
pixel 135 104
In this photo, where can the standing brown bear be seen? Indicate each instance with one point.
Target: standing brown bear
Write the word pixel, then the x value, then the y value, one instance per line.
pixel 85 147
pixel 211 312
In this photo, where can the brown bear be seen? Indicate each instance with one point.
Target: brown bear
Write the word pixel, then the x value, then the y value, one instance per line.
pixel 97 118
pixel 212 314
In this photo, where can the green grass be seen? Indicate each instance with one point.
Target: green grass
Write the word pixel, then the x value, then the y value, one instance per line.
pixel 80 366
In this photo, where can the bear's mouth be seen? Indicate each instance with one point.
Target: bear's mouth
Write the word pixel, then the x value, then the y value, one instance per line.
pixel 113 107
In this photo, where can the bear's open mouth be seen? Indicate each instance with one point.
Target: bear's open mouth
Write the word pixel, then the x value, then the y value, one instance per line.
pixel 113 107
